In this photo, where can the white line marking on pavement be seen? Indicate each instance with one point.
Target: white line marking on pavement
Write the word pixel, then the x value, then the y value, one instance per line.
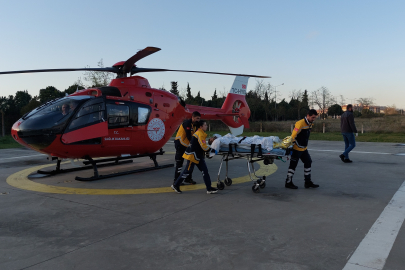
pixel 360 152
pixel 373 251
pixel 23 157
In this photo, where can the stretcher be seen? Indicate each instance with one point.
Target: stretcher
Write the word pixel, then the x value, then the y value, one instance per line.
pixel 253 153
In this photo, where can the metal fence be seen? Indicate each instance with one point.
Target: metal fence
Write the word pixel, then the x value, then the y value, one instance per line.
pixel 387 124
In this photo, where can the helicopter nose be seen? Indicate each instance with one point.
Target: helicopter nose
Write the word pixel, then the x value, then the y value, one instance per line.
pixel 28 133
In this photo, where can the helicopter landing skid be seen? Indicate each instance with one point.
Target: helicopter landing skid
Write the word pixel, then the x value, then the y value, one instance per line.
pixel 97 176
pixel 59 170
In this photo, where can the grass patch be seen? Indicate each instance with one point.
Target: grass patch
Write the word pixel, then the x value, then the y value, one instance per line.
pixel 331 136
pixel 8 142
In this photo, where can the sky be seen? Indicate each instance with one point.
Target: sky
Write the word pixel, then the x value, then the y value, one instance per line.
pixel 353 48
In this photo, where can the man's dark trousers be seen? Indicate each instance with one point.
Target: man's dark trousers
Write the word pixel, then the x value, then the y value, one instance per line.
pixel 350 143
pixel 180 149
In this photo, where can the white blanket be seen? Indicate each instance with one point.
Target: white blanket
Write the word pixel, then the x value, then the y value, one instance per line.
pixel 266 142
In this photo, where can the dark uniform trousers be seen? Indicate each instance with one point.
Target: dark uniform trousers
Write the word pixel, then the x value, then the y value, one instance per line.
pixel 180 149
pixel 305 158
pixel 202 166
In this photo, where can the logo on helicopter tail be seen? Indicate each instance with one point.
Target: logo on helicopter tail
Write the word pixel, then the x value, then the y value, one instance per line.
pixel 156 129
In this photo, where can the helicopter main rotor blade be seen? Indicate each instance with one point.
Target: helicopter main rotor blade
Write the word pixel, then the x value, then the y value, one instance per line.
pixel 137 70
pixel 136 57
pixel 108 69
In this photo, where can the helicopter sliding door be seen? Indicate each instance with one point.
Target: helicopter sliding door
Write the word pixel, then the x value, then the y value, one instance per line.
pixel 126 125
pixel 89 124
pixel 118 117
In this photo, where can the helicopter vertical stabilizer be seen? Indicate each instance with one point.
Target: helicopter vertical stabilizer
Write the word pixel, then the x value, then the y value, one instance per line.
pixel 234 112
pixel 235 103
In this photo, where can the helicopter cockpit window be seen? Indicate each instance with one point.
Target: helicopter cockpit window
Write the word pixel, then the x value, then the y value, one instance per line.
pixel 118 115
pixel 91 113
pixel 53 116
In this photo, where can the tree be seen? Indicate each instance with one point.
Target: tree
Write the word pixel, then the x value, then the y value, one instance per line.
pixel 391 110
pixel 335 109
pixel 3 108
pixel 189 96
pixel 296 101
pixel 342 100
pixel 282 109
pixel 214 96
pixel 356 114
pixel 366 102
pixel 21 99
pixel 30 106
pixel 304 104
pixel 162 88
pixel 174 89
pixel 367 113
pixel 98 78
pixel 10 112
pixel 73 88
pixel 323 99
pixel 198 100
pixel 48 94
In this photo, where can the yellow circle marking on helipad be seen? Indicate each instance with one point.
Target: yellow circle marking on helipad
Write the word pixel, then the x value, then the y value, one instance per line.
pixel 20 180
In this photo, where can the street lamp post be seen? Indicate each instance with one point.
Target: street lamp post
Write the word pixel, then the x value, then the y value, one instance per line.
pixel 275 98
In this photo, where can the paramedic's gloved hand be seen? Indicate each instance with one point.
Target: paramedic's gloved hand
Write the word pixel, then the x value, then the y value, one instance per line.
pixel 357 134
pixel 287 141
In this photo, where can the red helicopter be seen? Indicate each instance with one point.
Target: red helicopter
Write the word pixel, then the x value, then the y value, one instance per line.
pixel 124 120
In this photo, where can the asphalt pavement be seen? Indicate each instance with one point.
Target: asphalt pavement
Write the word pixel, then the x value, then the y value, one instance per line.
pixel 137 222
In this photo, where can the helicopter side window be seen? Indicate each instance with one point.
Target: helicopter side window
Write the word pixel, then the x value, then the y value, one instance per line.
pixel 139 114
pixel 143 114
pixel 118 115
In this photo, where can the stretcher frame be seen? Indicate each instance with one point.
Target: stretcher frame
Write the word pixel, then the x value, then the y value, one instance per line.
pixel 251 157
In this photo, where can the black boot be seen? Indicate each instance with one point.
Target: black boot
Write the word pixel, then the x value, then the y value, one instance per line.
pixel 290 184
pixel 310 184
pixel 190 181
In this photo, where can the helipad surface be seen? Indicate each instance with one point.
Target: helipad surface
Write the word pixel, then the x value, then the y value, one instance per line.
pixel 137 222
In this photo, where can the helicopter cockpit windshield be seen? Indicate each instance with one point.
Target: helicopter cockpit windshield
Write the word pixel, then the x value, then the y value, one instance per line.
pixel 42 124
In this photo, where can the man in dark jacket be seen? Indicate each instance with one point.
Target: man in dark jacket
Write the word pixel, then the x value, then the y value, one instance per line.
pixel 182 141
pixel 348 128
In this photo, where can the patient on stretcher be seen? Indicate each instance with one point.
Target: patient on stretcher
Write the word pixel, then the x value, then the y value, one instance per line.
pixel 219 142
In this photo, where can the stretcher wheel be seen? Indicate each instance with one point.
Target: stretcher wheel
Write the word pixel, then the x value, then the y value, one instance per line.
pixel 220 185
pixel 228 181
pixel 262 184
pixel 255 188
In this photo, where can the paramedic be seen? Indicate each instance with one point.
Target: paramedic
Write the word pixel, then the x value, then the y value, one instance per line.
pixel 182 141
pixel 195 157
pixel 301 134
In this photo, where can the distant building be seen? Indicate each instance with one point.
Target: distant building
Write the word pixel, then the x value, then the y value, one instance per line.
pixel 359 107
